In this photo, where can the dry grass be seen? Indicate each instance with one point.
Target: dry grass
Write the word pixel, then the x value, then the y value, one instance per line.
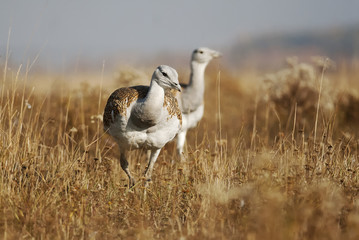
pixel 252 171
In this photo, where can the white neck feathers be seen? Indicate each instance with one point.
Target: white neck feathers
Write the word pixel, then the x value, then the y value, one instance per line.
pixel 150 109
pixel 196 81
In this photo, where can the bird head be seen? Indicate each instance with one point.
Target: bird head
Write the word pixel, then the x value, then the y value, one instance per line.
pixel 204 55
pixel 166 77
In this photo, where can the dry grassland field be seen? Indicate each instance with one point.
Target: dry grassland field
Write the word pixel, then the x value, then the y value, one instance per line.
pixel 274 157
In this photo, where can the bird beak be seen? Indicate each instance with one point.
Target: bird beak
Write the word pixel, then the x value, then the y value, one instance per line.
pixel 176 86
pixel 216 54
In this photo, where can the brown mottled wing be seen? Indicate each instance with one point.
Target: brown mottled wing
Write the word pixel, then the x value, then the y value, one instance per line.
pixel 172 105
pixel 120 100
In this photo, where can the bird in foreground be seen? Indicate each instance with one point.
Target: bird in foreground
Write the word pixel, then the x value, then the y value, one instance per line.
pixel 191 97
pixel 144 117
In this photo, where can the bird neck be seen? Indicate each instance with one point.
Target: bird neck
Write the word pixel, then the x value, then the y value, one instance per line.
pixel 197 76
pixel 152 106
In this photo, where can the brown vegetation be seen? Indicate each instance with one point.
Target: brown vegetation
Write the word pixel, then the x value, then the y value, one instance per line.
pixel 253 168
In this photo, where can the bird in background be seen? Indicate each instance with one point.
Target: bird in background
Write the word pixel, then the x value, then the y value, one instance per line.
pixel 144 117
pixel 190 99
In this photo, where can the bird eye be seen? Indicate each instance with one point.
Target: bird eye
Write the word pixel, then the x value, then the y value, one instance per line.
pixel 201 52
pixel 164 74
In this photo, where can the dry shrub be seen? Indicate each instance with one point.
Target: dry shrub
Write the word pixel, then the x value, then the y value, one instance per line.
pixel 348 107
pixel 129 76
pixel 289 98
pixel 295 90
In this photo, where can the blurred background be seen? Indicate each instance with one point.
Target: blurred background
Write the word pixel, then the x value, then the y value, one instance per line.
pixel 82 34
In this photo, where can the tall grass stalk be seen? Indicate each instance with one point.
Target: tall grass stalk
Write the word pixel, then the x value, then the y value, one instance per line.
pixel 220 141
pixel 6 65
pixel 318 102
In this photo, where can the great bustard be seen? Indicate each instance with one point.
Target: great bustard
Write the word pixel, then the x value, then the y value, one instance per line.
pixel 191 97
pixel 144 117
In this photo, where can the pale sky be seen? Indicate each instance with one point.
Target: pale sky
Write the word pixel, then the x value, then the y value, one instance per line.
pixel 93 29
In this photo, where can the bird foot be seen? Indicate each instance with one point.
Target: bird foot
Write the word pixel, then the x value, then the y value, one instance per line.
pixel 131 183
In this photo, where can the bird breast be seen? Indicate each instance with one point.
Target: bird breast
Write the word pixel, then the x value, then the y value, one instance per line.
pixel 131 129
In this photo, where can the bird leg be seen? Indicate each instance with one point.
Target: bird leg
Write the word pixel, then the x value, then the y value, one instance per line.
pixel 151 163
pixel 124 165
pixel 181 138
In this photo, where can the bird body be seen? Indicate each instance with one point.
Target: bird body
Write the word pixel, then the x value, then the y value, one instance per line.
pixel 128 120
pixel 191 97
pixel 144 116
